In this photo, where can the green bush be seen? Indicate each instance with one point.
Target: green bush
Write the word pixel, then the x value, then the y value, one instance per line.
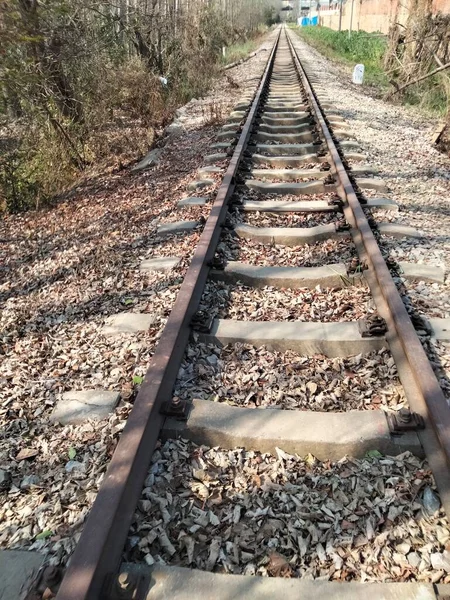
pixel 19 189
pixel 359 47
pixel 271 16
pixel 238 51
pixel 430 95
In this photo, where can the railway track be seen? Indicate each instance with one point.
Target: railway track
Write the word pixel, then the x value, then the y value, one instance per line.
pixel 288 337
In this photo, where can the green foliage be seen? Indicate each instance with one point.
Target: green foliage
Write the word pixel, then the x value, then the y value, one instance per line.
pixel 19 189
pixel 244 46
pixel 72 74
pixel 271 16
pixel 239 51
pixel 374 454
pixel 44 534
pixel 360 47
pixel 430 95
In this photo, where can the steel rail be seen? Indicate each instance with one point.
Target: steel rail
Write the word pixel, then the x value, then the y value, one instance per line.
pixel 430 401
pixel 99 550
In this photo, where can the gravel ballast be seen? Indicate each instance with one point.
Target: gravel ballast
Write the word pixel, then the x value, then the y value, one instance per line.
pixel 263 219
pixel 242 375
pixel 272 255
pixel 271 304
pixel 230 511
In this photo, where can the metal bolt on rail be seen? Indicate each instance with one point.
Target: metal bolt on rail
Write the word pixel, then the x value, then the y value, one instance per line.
pixel 125 586
pixel 176 407
pixel 202 321
pixel 404 420
pixel 372 326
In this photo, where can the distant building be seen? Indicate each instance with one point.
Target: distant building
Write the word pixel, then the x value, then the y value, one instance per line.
pixel 288 10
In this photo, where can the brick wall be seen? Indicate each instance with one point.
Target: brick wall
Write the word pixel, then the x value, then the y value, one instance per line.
pixel 442 6
pixel 374 15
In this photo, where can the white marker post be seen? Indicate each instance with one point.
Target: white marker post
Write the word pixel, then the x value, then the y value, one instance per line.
pixel 358 74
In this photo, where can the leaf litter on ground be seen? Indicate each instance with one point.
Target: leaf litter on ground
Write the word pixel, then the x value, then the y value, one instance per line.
pixel 373 519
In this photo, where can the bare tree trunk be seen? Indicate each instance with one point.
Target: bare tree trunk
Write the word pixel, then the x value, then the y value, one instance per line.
pixel 48 62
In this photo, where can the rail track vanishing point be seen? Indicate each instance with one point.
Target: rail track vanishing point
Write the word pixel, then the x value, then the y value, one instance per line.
pixel 287 142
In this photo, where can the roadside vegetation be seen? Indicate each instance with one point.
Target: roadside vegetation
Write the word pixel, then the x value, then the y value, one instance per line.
pixel 418 62
pixel 383 65
pixel 360 47
pixel 88 85
pixel 241 50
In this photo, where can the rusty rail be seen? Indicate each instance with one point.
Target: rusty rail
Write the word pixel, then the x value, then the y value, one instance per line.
pixel 411 360
pixel 99 550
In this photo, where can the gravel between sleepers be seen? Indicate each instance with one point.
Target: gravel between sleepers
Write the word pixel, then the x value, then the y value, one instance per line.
pixel 420 251
pixel 243 375
pixel 227 301
pixel 264 219
pixel 192 213
pixel 429 299
pixel 308 255
pixel 312 165
pixel 245 193
pixel 375 519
